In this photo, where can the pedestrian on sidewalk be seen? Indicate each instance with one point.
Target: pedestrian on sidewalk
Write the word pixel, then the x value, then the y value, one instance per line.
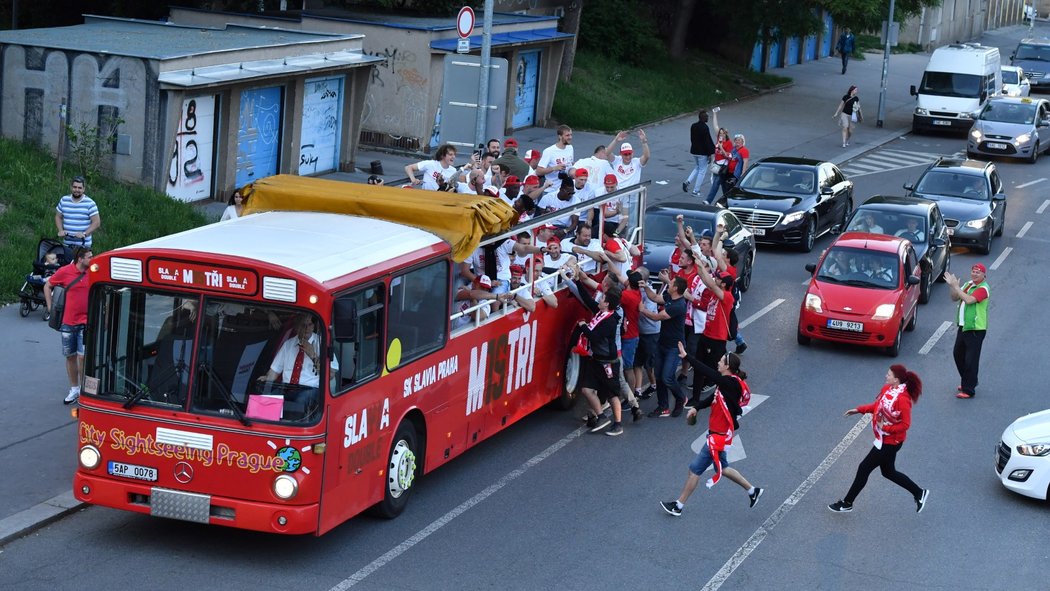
pixel 702 148
pixel 845 47
pixel 72 277
pixel 726 403
pixel 972 318
pixel 891 417
pixel 848 114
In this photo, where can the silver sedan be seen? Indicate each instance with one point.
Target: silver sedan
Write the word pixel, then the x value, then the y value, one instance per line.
pixel 1011 127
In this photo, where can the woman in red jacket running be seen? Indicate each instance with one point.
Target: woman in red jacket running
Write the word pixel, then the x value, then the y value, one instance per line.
pixel 891 417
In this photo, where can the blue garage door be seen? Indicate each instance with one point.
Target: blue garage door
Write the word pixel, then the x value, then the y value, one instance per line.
pixel 829 26
pixel 258 134
pixel 527 83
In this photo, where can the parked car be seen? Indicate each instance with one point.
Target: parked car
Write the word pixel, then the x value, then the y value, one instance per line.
pixel 864 291
pixel 915 219
pixel 661 227
pixel 1022 457
pixel 1012 128
pixel 1015 82
pixel 785 200
pixel 971 196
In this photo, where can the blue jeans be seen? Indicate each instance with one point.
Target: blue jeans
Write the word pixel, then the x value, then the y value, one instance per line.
pixel 716 184
pixel 666 367
pixel 704 459
pixel 699 173
pixel 72 339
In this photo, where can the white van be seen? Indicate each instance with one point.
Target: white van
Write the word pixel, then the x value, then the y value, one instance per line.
pixel 956 85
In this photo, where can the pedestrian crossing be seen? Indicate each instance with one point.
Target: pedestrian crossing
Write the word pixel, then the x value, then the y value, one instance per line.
pixel 887 159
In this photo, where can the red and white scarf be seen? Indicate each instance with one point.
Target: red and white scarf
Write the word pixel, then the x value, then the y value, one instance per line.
pixel 717 442
pixel 583 346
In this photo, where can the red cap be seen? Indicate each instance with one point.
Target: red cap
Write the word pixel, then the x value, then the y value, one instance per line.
pixel 610 179
pixel 532 155
pixel 511 180
pixel 532 181
pixel 581 173
pixel 553 240
pixel 482 282
pixel 490 190
pixel 511 143
pixel 980 267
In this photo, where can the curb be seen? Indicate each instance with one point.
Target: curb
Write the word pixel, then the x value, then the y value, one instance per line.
pixel 25 522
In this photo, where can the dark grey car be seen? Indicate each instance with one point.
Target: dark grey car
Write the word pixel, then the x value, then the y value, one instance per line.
pixel 971 196
pixel 661 227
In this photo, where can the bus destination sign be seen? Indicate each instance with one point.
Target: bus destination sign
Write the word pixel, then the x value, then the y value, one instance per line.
pixel 203 276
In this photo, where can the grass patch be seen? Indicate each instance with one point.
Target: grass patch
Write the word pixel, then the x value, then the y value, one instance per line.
pixel 29 192
pixel 872 44
pixel 607 95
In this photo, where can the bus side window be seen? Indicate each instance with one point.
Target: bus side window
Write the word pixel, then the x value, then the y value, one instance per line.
pixel 357 345
pixel 417 321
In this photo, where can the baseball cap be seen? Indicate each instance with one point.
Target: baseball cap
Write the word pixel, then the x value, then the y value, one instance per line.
pixel 493 191
pixel 581 173
pixel 511 143
pixel 511 180
pixel 611 179
pixel 531 154
pixel 532 181
pixel 553 240
pixel 626 148
pixel 980 267
pixel 482 282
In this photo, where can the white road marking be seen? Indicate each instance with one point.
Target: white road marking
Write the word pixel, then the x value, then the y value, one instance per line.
pixel 1043 207
pixel 936 336
pixel 1002 257
pixel 447 518
pixel 1024 229
pixel 1030 183
pixel 762 312
pixel 760 534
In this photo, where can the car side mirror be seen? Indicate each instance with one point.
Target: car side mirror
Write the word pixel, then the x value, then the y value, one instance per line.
pixel 827 191
pixel 913 91
pixel 909 187
pixel 999 197
pixel 811 267
pixel 939 242
pixel 913 280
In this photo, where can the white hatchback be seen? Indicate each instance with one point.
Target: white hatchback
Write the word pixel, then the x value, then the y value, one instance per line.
pixel 1015 83
pixel 1022 457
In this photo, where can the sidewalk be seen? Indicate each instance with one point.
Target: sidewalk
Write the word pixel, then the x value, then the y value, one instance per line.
pixel 38 437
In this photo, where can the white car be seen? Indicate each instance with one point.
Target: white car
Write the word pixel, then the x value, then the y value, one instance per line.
pixel 1022 457
pixel 1015 83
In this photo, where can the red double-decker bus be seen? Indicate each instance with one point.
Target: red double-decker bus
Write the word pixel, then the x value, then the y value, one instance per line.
pixel 287 370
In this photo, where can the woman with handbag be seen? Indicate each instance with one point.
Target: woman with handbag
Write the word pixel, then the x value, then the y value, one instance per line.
pixel 720 164
pixel 848 114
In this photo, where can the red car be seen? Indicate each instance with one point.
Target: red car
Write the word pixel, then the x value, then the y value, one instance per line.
pixel 864 290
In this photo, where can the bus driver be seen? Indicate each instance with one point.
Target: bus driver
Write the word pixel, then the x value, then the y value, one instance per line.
pixel 297 363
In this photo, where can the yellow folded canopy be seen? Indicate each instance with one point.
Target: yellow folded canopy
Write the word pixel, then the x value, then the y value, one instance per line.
pixel 460 220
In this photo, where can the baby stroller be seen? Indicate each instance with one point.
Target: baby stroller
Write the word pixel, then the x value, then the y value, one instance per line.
pixel 32 293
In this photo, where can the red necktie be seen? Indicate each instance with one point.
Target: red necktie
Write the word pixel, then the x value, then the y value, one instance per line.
pixel 297 368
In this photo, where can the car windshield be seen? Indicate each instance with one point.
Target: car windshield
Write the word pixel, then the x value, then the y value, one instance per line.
pixel 860 268
pixel 1003 112
pixel 953 184
pixel 148 347
pixel 1037 53
pixel 1010 77
pixel 951 84
pixel 890 223
pixel 661 226
pixel 779 178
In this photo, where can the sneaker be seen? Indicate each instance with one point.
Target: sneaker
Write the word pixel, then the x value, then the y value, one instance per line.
pixel 685 187
pixel 615 430
pixel 677 412
pixel 636 413
pixel 671 507
pixel 741 348
pixel 659 412
pixel 754 496
pixel 648 392
pixel 74 394
pixel 920 503
pixel 964 395
pixel 841 507
pixel 599 423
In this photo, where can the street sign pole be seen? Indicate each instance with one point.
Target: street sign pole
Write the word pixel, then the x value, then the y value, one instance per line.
pixel 885 68
pixel 486 62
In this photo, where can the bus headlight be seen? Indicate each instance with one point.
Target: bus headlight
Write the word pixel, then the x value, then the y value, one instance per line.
pixel 90 458
pixel 285 487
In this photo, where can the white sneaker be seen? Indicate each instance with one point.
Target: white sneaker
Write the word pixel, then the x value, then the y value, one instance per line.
pixel 74 394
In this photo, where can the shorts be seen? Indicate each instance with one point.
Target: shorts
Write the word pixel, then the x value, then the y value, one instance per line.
pixel 647 346
pixel 604 378
pixel 704 460
pixel 846 121
pixel 72 340
pixel 628 348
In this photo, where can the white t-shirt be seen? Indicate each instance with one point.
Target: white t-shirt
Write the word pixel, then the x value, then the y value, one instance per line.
pixel 503 257
pixel 549 202
pixel 627 174
pixel 553 156
pixel 549 264
pixel 597 168
pixel 588 264
pixel 586 193
pixel 429 168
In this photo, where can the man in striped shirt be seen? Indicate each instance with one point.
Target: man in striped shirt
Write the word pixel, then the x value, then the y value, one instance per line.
pixel 76 216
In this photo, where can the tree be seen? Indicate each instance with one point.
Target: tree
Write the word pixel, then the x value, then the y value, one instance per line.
pixel 683 16
pixel 766 21
pixel 868 15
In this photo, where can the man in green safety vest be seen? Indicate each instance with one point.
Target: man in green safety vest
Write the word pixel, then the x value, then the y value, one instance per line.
pixel 972 318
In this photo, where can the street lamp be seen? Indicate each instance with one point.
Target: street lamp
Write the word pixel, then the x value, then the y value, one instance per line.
pixel 885 67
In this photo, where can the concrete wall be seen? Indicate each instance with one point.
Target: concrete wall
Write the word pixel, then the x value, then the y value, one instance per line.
pixel 960 21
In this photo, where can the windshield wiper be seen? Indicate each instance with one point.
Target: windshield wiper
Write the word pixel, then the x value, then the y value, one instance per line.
pixel 862 283
pixel 830 278
pixel 226 394
pixel 138 390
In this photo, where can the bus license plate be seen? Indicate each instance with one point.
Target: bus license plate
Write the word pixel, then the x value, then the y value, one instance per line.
pixel 846 325
pixel 132 471
pixel 996 146
pixel 941 122
pixel 758 231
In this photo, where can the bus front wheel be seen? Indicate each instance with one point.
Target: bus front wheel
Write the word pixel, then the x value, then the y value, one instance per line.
pixel 401 471
pixel 572 375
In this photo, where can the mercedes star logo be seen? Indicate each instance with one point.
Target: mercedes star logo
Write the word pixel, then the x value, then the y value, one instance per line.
pixel 183 472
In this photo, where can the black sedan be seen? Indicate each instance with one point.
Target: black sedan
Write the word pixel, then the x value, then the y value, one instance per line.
pixel 792 200
pixel 971 196
pixel 661 228
pixel 916 220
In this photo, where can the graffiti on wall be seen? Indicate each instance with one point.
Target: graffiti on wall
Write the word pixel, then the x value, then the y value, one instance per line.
pixel 401 91
pixel 258 134
pixel 190 166
pixel 322 108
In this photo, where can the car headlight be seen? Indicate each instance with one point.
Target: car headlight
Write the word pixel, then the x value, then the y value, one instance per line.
pixel 793 217
pixel 90 458
pixel 813 303
pixel 922 112
pixel 976 223
pixel 1022 139
pixel 976 134
pixel 968 115
pixel 1034 449
pixel 884 312
pixel 285 486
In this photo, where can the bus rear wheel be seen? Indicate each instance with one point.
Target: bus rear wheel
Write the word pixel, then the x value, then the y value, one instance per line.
pixel 401 472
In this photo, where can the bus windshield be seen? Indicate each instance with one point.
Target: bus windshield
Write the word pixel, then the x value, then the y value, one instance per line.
pixel 247 361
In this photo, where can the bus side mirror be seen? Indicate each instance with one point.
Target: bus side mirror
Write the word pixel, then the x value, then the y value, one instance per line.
pixel 345 321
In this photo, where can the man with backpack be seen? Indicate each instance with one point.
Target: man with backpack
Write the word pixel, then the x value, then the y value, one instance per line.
pixel 73 314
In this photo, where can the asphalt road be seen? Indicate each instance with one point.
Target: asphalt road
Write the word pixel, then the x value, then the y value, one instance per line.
pixel 546 506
